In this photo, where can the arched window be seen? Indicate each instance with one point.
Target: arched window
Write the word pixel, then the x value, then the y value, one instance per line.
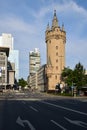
pixel 56 60
pixel 56 67
pixel 49 41
pixel 55 76
pixel 56 47
pixel 56 53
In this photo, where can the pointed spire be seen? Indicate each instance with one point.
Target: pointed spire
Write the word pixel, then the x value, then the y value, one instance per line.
pixel 63 27
pixel 55 13
pixel 48 27
pixel 55 20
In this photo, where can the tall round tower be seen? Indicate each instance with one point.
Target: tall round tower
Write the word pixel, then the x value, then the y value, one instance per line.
pixel 55 38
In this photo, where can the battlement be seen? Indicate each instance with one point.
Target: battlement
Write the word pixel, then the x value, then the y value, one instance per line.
pixel 56 33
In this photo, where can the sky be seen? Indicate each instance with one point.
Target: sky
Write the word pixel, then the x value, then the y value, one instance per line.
pixel 27 20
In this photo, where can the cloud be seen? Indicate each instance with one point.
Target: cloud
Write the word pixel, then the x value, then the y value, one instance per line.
pixel 13 23
pixel 28 25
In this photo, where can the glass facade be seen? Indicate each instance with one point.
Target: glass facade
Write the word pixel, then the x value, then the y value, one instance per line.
pixel 14 58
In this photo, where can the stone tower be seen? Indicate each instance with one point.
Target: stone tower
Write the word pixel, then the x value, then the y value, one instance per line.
pixel 55 38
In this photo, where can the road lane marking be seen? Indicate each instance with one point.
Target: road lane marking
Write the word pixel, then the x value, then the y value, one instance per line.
pixel 57 124
pixel 85 100
pixel 65 108
pixel 76 122
pixel 22 123
pixel 33 108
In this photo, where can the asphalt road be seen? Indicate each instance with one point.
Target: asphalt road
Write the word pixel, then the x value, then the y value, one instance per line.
pixel 35 111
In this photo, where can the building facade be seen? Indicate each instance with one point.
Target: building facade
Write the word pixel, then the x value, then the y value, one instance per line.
pixel 6 40
pixel 33 81
pixel 4 52
pixel 7 72
pixel 41 79
pixel 38 79
pixel 14 58
pixel 10 75
pixel 55 38
pixel 34 61
pixel 3 68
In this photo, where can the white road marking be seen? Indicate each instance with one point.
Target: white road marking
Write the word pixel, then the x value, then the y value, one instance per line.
pixel 34 109
pixel 85 100
pixel 58 125
pixel 21 122
pixel 76 122
pixel 65 108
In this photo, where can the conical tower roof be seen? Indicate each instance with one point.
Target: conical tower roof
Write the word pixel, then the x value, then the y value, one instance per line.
pixel 55 20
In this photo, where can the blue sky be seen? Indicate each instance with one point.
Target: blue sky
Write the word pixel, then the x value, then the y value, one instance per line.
pixel 27 20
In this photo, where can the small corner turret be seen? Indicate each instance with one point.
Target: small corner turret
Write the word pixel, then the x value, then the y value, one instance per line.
pixel 48 27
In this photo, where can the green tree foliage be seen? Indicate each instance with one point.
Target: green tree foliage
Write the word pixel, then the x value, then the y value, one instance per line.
pixel 76 76
pixel 79 75
pixel 67 75
pixel 22 82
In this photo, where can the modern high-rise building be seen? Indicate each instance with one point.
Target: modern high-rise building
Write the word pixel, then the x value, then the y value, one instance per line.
pixel 6 40
pixel 55 38
pixel 14 58
pixel 7 72
pixel 34 61
pixel 4 53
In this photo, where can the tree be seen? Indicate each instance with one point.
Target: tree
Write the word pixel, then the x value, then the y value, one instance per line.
pixel 76 76
pixel 22 82
pixel 79 75
pixel 67 76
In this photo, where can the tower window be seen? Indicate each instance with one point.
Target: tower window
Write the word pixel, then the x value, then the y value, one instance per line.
pixel 56 77
pixel 56 67
pixel 56 47
pixel 57 60
pixel 49 41
pixel 56 53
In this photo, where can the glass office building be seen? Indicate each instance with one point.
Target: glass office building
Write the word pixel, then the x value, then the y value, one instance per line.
pixel 14 58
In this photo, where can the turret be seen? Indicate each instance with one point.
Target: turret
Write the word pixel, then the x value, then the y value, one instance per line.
pixel 54 21
pixel 62 27
pixel 48 27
